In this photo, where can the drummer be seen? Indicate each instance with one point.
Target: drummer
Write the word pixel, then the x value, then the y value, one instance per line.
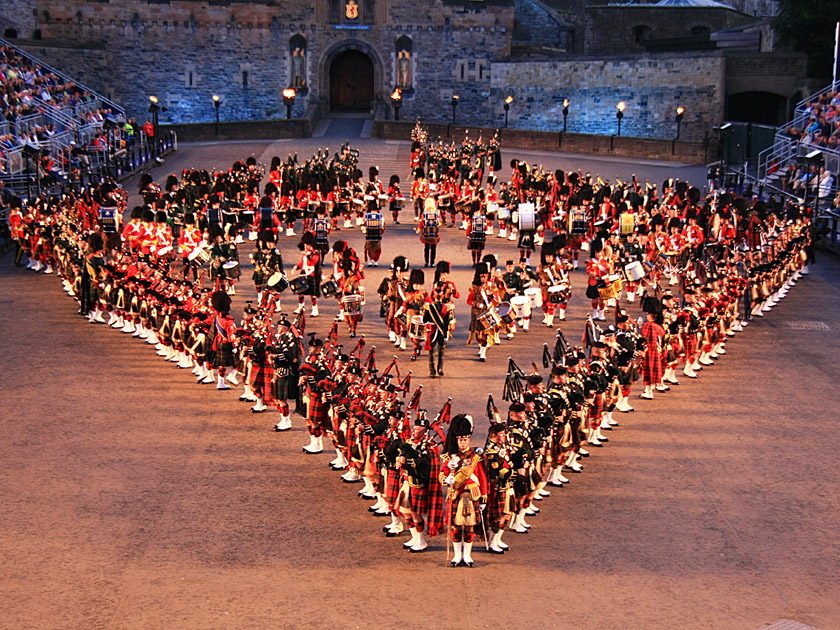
pixel 631 252
pixel 483 296
pixel 598 268
pixel 429 231
pixel 374 228
pixel 349 286
pixel 516 280
pixel 395 198
pixel 476 230
pixel 552 276
pixel 310 268
pixel 414 306
pixel 188 241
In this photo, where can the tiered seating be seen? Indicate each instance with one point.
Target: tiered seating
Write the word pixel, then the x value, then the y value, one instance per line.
pixel 52 115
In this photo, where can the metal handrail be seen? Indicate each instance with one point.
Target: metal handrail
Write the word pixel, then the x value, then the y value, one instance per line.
pixel 67 78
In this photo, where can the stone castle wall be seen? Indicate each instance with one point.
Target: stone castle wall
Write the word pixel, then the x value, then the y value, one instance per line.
pixel 652 86
pixel 18 15
pixel 184 52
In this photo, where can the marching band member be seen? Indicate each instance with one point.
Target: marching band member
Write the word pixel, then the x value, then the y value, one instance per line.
pixel 438 319
pixel 462 472
pixel 310 268
pixel 429 231
pixel 374 228
pixel 414 307
pixel 482 297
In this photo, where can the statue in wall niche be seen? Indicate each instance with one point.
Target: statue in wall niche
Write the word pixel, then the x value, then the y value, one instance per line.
pixel 404 69
pixel 298 68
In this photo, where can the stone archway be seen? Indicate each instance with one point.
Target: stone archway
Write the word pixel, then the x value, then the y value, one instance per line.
pixel 351 76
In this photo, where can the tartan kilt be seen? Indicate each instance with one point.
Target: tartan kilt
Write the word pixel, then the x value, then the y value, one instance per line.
pixel 262 377
pixel 690 343
pixel 223 357
pixel 652 367
pixel 392 487
pixel 499 504
pixel 420 499
pixel 210 355
pixel 596 409
pixel 318 412
pixel 285 385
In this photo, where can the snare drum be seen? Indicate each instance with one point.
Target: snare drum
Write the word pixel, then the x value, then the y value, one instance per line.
pixel 352 304
pixel 507 315
pixel 489 319
pixel 163 251
pixel 200 256
pixel 231 268
pixel 534 294
pixel 558 294
pixel 613 288
pixel 278 282
pixel 492 208
pixel 416 328
pixel 504 213
pixel 521 305
pixel 300 285
pixel 634 272
pixel 329 288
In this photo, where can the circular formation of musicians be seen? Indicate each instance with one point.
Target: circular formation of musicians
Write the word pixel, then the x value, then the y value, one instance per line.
pixel 668 274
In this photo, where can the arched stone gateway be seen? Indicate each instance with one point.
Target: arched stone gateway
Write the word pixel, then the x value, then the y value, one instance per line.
pixel 351 77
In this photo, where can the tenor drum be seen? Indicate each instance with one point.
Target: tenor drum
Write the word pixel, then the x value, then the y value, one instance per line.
pixel 634 272
pixel 613 288
pixel 534 294
pixel 231 268
pixel 527 217
pixel 278 282
pixel 507 315
pixel 352 304
pixel 504 213
pixel 300 285
pixel 329 288
pixel 200 256
pixel 521 305
pixel 492 208
pixel 558 294
pixel 416 329
pixel 489 319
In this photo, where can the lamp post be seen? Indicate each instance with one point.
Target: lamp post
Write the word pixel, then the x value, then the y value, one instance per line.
pixel 508 101
pixel 620 114
pixel 678 118
pixel 396 101
pixel 289 101
pixel 455 99
pixel 216 104
pixel 154 108
pixel 565 112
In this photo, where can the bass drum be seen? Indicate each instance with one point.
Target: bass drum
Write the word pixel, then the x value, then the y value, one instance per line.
pixel 521 305
pixel 527 217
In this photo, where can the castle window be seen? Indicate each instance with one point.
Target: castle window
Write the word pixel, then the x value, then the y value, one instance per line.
pixel 335 11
